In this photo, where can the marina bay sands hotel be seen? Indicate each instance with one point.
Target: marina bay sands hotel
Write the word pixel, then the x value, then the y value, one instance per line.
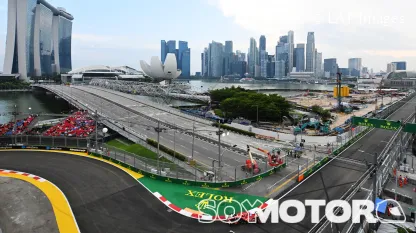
pixel 38 39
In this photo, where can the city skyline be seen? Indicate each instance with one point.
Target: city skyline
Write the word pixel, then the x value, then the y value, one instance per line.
pixel 127 43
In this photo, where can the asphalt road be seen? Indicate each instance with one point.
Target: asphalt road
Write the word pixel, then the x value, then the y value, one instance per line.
pixel 338 176
pixel 104 198
pixel 204 152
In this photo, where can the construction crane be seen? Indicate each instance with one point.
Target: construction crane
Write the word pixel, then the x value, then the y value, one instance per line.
pixel 273 158
pixel 251 164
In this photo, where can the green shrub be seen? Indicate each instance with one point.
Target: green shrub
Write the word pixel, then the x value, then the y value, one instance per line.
pixel 240 131
pixel 402 230
pixel 167 150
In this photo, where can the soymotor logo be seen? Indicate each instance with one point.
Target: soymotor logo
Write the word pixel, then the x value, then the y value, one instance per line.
pixel 249 211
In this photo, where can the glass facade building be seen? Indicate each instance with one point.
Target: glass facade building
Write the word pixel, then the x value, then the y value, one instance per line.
pixel 186 63
pixel 38 39
pixel 163 50
pixel 400 65
pixel 64 41
pixel 300 58
pixel 183 46
pixel 44 45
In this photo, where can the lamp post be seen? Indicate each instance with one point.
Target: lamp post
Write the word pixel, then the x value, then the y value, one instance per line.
pixel 30 110
pixel 105 130
pixel 158 130
pixel 220 133
pixel 193 141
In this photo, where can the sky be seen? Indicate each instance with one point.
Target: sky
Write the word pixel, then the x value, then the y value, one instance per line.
pixel 123 33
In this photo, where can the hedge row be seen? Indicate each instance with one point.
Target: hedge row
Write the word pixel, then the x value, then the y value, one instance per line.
pixel 167 150
pixel 240 131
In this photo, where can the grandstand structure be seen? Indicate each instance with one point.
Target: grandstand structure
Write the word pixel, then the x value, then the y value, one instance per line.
pixel 163 90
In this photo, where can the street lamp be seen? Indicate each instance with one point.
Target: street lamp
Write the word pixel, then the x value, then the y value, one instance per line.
pixel 220 133
pixel 30 110
pixel 158 130
pixel 105 130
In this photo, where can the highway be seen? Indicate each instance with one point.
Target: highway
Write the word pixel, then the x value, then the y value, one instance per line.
pixel 204 152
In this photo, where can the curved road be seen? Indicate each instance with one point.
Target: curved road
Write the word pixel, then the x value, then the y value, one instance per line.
pixel 105 198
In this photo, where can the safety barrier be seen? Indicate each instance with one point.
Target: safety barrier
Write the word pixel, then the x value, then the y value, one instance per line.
pixel 381 115
pixel 335 153
pixel 206 184
pixel 43 148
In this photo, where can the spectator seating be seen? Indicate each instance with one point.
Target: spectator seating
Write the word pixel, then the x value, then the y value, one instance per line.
pixel 76 125
pixel 21 125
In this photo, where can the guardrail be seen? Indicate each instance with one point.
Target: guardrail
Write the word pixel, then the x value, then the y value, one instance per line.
pixel 205 184
pixel 343 147
pixel 175 172
pixel 388 154
pixel 56 148
pixel 164 124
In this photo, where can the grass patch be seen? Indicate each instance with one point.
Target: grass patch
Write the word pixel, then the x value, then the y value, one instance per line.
pixel 137 149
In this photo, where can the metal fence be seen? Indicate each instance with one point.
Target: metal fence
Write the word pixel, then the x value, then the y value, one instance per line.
pixel 182 169
pixel 167 165
pixel 40 140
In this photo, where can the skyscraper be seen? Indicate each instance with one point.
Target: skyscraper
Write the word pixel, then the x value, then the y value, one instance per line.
pixel 263 63
pixel 186 63
pixel 400 65
pixel 355 66
pixel 291 45
pixel 318 65
pixel 263 56
pixel 205 63
pixel 262 43
pixel 228 47
pixel 38 39
pixel 310 52
pixel 183 46
pixel 331 66
pixel 252 56
pixel 283 39
pixel 163 50
pixel 280 56
pixel 391 67
pixel 300 58
pixel 216 51
pixel 271 66
pixel 280 69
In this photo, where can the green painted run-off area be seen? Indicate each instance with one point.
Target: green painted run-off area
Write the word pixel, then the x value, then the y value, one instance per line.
pixel 191 197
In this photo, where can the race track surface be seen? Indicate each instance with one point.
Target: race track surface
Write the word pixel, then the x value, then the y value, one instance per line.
pixel 338 175
pixel 105 198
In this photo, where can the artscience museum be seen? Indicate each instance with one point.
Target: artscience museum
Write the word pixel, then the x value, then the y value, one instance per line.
pixel 157 70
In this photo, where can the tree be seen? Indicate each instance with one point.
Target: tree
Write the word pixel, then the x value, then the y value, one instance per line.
pixel 238 102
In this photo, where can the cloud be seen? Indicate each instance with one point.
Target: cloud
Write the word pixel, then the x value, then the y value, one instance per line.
pixel 353 26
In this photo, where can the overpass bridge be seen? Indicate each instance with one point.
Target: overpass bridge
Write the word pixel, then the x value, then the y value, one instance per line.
pixel 121 110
